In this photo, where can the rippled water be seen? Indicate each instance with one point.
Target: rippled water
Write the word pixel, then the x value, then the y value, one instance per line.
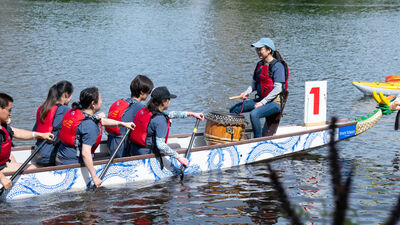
pixel 201 50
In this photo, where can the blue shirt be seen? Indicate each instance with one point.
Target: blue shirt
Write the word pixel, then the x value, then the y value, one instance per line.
pixel 87 131
pixel 46 155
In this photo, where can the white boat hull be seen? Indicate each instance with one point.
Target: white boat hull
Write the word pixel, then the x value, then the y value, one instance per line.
pixel 202 158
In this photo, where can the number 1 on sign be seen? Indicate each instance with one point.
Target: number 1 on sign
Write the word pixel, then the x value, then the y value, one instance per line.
pixel 315 92
pixel 315 103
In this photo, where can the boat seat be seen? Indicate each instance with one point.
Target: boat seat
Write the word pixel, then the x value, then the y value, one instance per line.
pixel 174 145
pixel 272 121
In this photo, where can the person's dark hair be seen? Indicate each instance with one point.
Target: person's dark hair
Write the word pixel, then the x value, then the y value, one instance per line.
pixel 141 84
pixel 275 54
pixel 153 104
pixel 86 97
pixel 55 93
pixel 5 99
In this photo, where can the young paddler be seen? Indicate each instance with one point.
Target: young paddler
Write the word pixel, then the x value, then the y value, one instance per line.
pixel 7 133
pixel 81 131
pixel 48 119
pixel 152 126
pixel 125 110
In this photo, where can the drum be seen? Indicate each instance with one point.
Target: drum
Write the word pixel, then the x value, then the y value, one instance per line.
pixel 224 127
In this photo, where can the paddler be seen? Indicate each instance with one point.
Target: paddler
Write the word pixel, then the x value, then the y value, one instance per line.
pixel 48 119
pixel 153 123
pixel 81 131
pixel 125 109
pixel 7 133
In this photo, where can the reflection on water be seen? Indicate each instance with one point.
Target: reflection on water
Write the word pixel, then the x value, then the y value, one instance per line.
pixel 201 50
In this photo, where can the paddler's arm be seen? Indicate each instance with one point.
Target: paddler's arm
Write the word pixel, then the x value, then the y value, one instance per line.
pixel 183 114
pixel 88 160
pixel 29 135
pixel 163 147
pixel 115 123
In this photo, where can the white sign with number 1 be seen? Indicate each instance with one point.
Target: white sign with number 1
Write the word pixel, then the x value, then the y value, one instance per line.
pixel 315 103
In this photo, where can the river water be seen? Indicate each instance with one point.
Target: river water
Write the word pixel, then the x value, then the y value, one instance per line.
pixel 200 50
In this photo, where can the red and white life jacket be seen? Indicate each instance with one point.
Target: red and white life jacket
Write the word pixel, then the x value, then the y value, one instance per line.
pixel 5 146
pixel 116 112
pixel 69 127
pixel 142 120
pixel 264 77
pixel 46 126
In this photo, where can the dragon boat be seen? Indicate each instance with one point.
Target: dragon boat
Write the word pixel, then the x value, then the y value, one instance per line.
pixel 287 140
pixel 389 88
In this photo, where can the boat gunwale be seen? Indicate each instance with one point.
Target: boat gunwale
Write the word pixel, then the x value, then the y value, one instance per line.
pixel 341 123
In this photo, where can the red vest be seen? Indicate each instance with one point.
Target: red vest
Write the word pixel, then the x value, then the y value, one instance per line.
pixel 47 125
pixel 69 126
pixel 142 120
pixel 5 147
pixel 263 77
pixel 116 111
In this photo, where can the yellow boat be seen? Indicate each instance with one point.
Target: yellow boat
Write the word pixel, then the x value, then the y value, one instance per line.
pixel 390 88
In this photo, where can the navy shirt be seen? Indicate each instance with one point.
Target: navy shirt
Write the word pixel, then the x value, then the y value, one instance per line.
pixel 128 116
pixel 46 155
pixel 88 131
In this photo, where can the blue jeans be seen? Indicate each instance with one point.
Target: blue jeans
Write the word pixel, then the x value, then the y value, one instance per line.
pixel 256 114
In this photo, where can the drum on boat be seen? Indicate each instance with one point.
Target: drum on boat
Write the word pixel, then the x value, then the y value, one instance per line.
pixel 224 127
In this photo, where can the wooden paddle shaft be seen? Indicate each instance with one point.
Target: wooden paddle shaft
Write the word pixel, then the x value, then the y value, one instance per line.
pixel 235 97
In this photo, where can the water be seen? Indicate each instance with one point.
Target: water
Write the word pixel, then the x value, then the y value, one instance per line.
pixel 200 50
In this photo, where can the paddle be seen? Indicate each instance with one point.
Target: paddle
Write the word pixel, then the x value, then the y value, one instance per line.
pixel 103 173
pixel 21 168
pixel 190 146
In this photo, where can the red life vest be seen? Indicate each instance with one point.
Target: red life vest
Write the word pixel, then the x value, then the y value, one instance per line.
pixel 142 120
pixel 263 77
pixel 47 125
pixel 69 127
pixel 116 112
pixel 5 150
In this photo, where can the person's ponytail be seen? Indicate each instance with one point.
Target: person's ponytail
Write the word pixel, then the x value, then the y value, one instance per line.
pixel 55 93
pixel 277 56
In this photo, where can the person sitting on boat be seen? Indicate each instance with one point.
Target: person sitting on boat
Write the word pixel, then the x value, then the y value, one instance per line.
pixel 152 126
pixel 7 133
pixel 48 119
pixel 125 110
pixel 81 131
pixel 269 80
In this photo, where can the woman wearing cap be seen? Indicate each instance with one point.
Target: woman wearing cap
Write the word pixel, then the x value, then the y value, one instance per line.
pixel 152 126
pixel 269 80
